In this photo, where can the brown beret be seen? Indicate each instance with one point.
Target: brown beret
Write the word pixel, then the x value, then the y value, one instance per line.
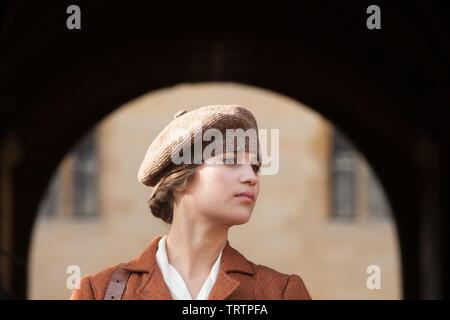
pixel 158 163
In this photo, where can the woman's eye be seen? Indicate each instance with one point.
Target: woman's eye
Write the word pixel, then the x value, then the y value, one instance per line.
pixel 232 162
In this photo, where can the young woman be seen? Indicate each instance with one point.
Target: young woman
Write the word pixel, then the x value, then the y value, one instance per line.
pixel 200 201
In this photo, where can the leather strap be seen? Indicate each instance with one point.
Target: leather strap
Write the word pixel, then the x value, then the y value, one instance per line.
pixel 117 284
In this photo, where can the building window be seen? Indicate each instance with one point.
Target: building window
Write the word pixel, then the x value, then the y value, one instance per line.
pixel 50 205
pixel 355 191
pixel 72 192
pixel 377 205
pixel 343 177
pixel 85 178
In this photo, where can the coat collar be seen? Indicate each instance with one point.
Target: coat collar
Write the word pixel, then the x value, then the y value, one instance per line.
pixel 154 287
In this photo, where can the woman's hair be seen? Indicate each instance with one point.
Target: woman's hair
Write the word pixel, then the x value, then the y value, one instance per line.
pixel 161 204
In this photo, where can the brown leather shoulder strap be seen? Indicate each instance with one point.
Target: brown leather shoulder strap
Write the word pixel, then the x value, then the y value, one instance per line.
pixel 117 284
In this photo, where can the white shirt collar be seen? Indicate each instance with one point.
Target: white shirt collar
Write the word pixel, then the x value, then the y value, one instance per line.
pixel 175 282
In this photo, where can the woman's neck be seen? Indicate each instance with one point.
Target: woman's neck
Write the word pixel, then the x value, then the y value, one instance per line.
pixel 193 251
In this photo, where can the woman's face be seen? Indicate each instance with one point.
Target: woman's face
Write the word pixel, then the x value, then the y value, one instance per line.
pixel 223 193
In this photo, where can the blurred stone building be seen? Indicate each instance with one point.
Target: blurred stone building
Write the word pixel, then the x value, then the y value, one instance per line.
pixel 324 216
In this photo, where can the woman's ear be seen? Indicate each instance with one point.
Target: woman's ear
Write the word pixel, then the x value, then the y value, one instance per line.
pixel 180 189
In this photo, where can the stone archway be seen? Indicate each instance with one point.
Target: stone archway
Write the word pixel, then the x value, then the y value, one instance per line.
pixel 59 84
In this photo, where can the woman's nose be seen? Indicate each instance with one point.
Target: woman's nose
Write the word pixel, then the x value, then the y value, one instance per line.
pixel 249 176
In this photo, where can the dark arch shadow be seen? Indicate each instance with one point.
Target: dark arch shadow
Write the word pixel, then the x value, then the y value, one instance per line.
pixel 73 81
pixel 89 123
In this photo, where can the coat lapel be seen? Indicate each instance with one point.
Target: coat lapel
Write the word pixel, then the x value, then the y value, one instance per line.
pixel 231 262
pixel 223 287
pixel 153 286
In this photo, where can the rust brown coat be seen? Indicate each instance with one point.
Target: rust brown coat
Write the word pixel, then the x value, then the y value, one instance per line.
pixel 238 279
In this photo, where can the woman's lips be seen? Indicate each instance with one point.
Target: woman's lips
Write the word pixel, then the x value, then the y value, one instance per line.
pixel 245 196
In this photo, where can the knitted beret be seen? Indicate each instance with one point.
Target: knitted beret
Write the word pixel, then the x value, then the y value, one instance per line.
pixel 183 130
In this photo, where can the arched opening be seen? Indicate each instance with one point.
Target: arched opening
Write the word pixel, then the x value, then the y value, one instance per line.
pixel 323 215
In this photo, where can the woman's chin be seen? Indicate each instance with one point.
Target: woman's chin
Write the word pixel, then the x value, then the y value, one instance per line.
pixel 241 217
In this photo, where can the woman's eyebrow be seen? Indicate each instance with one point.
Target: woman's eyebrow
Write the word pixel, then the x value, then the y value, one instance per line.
pixel 251 160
